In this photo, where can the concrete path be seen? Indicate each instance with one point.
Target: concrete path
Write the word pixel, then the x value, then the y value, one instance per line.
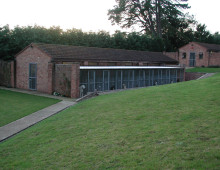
pixel 32 92
pixel 206 75
pixel 19 125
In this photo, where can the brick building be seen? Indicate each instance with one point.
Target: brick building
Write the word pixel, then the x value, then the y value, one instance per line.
pixel 48 68
pixel 197 54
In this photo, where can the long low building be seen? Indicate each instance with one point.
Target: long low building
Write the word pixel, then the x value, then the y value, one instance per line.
pixel 64 69
pixel 121 77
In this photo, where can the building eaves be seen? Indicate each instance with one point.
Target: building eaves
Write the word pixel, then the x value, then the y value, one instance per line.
pixel 74 53
pixel 210 47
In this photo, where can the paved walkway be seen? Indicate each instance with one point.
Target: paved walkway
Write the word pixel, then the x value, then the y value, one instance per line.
pixel 32 92
pixel 19 125
pixel 206 75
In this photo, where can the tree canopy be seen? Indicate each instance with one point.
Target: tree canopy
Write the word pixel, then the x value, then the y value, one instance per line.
pixel 14 40
pixel 155 17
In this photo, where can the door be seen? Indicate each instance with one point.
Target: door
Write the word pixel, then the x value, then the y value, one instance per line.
pixel 32 76
pixel 105 80
pixel 192 60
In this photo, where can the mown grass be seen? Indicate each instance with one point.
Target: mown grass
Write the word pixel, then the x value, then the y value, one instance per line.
pixel 174 126
pixel 16 105
pixel 203 70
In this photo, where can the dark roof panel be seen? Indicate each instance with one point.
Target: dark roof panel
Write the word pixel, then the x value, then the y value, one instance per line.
pixel 210 47
pixel 77 53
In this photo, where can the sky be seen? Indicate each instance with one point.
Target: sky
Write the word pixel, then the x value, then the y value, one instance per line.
pixel 88 15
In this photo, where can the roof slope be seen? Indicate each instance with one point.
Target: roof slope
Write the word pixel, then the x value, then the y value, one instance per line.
pixel 77 53
pixel 210 47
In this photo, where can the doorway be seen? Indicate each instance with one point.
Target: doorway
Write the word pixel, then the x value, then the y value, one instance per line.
pixel 32 76
pixel 192 60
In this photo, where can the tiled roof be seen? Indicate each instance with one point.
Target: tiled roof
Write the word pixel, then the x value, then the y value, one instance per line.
pixel 210 47
pixel 79 53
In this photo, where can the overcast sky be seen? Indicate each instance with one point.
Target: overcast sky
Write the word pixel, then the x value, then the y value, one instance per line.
pixel 88 15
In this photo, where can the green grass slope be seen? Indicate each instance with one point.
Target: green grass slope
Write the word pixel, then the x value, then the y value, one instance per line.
pixel 16 105
pixel 203 70
pixel 173 126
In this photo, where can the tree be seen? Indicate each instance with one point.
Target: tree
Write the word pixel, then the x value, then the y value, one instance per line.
pixel 153 16
pixel 4 42
pixel 202 35
pixel 216 38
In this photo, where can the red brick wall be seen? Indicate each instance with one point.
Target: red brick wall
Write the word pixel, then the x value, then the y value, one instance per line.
pixel 75 80
pixel 51 74
pixel 66 79
pixel 123 63
pixel 192 76
pixel 214 59
pixel 62 79
pixel 173 55
pixel 32 55
pixel 193 48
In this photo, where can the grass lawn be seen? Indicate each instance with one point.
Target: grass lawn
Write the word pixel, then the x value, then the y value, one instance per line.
pixel 16 105
pixel 174 126
pixel 203 70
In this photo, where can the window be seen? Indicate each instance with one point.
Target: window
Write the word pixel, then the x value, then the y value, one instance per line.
pixel 128 64
pixel 111 64
pixel 183 55
pixel 68 62
pixel 201 55
pixel 92 64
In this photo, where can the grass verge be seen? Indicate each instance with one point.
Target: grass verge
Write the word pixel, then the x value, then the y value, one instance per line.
pixel 203 70
pixel 174 126
pixel 16 105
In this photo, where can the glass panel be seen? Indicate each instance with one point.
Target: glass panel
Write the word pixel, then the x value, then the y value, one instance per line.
pixel 99 80
pixel 192 61
pixel 125 79
pixel 84 80
pixel 130 79
pixel 112 80
pixel 105 80
pixel 147 77
pixel 136 78
pixel 155 77
pixel 83 76
pixel 33 70
pixel 119 79
pixel 32 76
pixel 173 76
pixel 141 78
pixel 33 83
pixel 91 81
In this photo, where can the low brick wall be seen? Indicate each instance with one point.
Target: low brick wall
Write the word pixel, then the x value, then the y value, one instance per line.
pixel 62 79
pixel 7 73
pixel 66 79
pixel 173 55
pixel 192 76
